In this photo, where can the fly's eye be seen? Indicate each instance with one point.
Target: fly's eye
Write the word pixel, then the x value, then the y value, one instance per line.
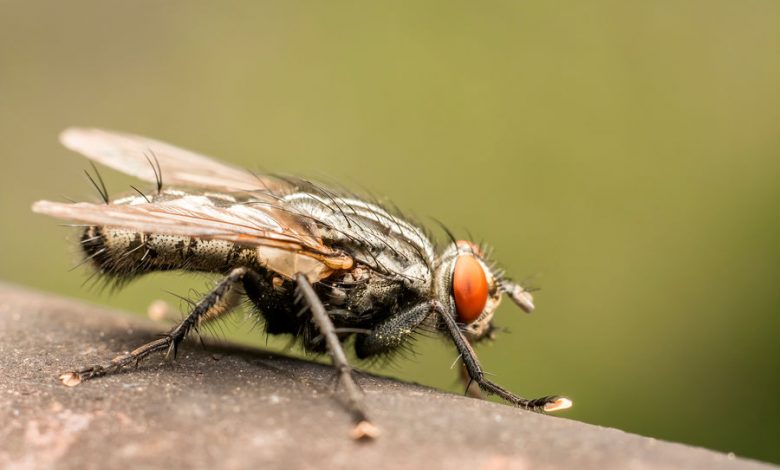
pixel 469 287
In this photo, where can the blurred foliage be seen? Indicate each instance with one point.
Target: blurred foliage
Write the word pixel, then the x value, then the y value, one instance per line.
pixel 623 155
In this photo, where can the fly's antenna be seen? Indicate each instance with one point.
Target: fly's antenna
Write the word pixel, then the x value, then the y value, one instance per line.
pixel 100 185
pixel 155 164
pixel 519 295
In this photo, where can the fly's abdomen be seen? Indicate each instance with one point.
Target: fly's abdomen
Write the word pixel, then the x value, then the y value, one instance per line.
pixel 126 253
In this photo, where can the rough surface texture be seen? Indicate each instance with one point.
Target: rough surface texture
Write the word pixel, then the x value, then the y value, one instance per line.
pixel 242 408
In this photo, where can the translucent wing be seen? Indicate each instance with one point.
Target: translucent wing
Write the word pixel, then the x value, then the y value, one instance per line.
pixel 135 155
pixel 285 243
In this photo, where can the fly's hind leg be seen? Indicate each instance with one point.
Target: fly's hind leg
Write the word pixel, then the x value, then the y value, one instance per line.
pixel 354 398
pixel 221 300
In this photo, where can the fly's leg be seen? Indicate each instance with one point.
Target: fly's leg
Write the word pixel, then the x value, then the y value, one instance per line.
pixel 216 303
pixel 354 397
pixel 471 388
pixel 393 332
pixel 470 361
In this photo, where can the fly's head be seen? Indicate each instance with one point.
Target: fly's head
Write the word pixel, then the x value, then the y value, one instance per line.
pixel 472 289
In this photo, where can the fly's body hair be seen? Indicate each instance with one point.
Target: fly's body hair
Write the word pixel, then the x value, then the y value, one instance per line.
pixel 120 255
pixel 99 185
pixel 328 267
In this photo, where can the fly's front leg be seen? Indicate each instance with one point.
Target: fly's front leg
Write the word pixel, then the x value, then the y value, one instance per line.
pixel 470 361
pixel 471 388
pixel 354 400
pixel 216 303
pixel 393 332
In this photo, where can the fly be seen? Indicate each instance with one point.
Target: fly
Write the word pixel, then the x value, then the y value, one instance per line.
pixel 321 265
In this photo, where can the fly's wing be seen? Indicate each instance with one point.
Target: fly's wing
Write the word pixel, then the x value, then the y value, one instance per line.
pixel 136 155
pixel 286 243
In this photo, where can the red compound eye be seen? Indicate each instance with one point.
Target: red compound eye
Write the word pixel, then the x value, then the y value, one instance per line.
pixel 469 287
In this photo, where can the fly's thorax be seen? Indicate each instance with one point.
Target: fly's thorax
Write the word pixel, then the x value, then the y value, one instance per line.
pixel 468 288
pixel 362 291
pixel 371 235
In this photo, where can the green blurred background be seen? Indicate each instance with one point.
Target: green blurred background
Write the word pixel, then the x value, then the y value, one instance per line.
pixel 623 155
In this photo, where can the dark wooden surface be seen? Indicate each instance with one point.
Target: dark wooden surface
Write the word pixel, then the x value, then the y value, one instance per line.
pixel 240 408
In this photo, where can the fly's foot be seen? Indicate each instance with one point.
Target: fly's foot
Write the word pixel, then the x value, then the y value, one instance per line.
pixel 70 379
pixel 553 404
pixel 73 378
pixel 547 404
pixel 209 308
pixel 364 431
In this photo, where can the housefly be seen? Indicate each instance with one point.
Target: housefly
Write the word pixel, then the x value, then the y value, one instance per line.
pixel 316 263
